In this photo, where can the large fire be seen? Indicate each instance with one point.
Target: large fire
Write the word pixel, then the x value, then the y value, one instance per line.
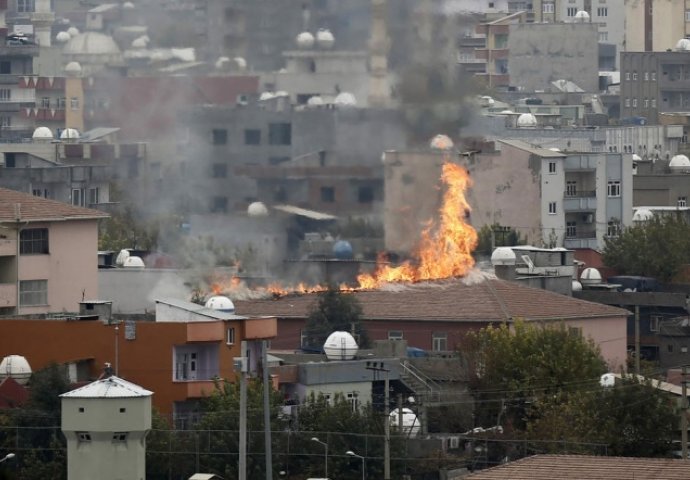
pixel 444 251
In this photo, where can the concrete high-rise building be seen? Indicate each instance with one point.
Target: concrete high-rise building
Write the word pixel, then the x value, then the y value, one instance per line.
pixel 655 25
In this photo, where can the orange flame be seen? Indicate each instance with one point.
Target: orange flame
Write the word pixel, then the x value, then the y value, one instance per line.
pixel 445 248
pixel 443 252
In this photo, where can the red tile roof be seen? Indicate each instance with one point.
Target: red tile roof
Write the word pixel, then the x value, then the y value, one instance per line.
pixel 35 209
pixel 451 300
pixel 578 467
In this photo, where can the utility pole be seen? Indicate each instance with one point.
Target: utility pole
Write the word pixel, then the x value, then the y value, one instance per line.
pixel 684 414
pixel 637 339
pixel 381 367
pixel 241 362
pixel 267 412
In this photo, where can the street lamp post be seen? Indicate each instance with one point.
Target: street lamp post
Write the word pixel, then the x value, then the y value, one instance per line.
pixel 314 439
pixel 9 456
pixel 353 454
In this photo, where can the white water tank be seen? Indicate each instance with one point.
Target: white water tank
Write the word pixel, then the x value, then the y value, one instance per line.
pixel 257 209
pixel 590 276
pixel 410 422
pixel 133 262
pixel 607 380
pixel 441 142
pixel 17 367
pixel 340 346
pixel 503 256
pixel 220 303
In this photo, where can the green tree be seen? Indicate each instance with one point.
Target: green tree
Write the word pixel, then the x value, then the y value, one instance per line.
pixel 503 237
pixel 512 366
pixel 333 311
pixel 656 248
pixel 632 418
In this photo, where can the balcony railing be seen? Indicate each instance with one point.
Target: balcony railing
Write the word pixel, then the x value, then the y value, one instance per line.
pixel 581 194
pixel 580 233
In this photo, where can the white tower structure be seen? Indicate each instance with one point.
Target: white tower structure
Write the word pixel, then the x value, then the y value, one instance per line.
pixel 105 423
pixel 379 43
pixel 42 19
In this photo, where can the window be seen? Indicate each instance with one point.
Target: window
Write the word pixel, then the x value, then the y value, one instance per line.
pixel 395 335
pixel 627 102
pixel 219 136
pixel 439 341
pixel 33 292
pixel 5 94
pixel 24 6
pixel 653 102
pixel 653 76
pixel 82 409
pixel 547 8
pixel 10 160
pixel 571 229
pixel 5 121
pixel 61 103
pixel 552 208
pixel 682 201
pixel 280 134
pixel 220 170
pixel 353 398
pixel 627 76
pixel 74 103
pixel 5 67
pixel 78 197
pixel 634 103
pixel 603 36
pixel 571 11
pixel 327 194
pixel 646 103
pixel 94 196
pixel 252 137
pixel 646 76
pixel 613 189
pixel 230 336
pixel 669 348
pixel 119 437
pixel 45 102
pixel 613 228
pixel 219 204
pixel 83 437
pixel 571 188
pixel 552 167
pixel 602 11
pixel 654 321
pixel 303 337
pixel 687 15
pixel 575 331
pixel 33 241
pixel 365 194
pixel 634 77
pixel 123 409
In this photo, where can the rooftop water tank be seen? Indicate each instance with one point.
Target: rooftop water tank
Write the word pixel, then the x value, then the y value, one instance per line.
pixel 305 40
pixel 410 423
pixel 441 142
pixel 342 250
pixel 17 367
pixel 340 346
pixel 257 209
pixel 221 303
pixel 679 164
pixel 590 276
pixel 324 38
pixel 503 256
pixel 133 262
pixel 42 133
pixel 527 120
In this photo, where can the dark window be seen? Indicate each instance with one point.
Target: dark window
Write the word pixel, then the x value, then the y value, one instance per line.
pixel 220 170
pixel 83 437
pixel 219 204
pixel 133 168
pixel 10 160
pixel 123 410
pixel 33 241
pixel 5 67
pixel 327 194
pixel 280 134
pixel 81 409
pixel 252 136
pixel 119 437
pixel 365 194
pixel 220 136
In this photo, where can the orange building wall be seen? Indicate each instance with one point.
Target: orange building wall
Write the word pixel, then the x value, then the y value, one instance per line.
pixel 146 361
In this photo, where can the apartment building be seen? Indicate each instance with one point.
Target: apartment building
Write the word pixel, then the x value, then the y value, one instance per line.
pixel 48 254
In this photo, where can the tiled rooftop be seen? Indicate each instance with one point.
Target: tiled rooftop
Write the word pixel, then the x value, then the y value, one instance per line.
pixel 33 208
pixel 578 467
pixel 483 301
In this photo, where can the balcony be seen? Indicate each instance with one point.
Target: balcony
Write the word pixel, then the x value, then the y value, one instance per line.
pixel 8 247
pixel 199 388
pixel 8 295
pixel 574 163
pixel 581 201
pixel 581 239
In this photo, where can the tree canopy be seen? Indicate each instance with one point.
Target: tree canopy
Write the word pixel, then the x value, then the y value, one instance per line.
pixel 656 248
pixel 333 311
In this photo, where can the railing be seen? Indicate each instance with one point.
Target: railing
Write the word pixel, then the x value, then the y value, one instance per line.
pixel 581 234
pixel 581 194
pixel 432 390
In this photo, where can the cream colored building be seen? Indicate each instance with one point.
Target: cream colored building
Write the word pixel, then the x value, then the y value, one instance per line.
pixel 105 423
pixel 658 31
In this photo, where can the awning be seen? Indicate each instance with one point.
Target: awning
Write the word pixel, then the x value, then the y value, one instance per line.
pixel 303 212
